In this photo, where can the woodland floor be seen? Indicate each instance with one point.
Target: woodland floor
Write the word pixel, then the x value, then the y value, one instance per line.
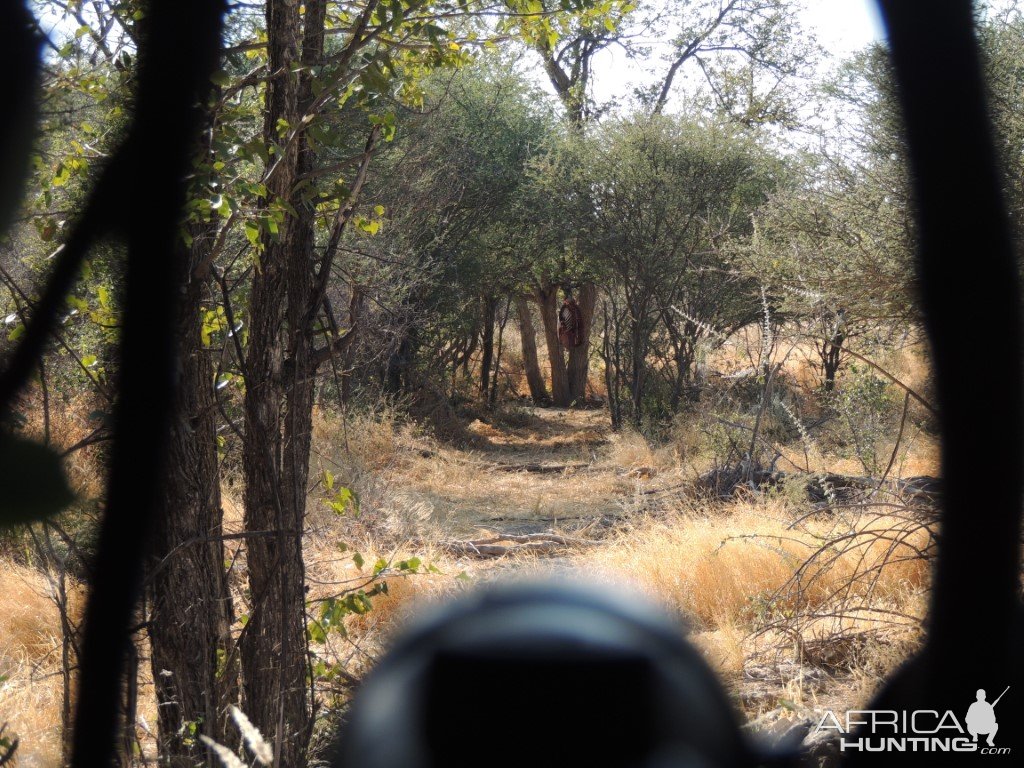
pixel 554 493
pixel 542 493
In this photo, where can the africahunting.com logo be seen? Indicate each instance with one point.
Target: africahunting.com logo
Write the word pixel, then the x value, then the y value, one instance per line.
pixel 921 730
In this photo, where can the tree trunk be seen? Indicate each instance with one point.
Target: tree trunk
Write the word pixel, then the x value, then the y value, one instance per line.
pixel 493 398
pixel 191 613
pixel 638 367
pixel 831 358
pixel 399 363
pixel 548 301
pixel 275 449
pixel 487 356
pixel 610 370
pixel 528 336
pixel 579 357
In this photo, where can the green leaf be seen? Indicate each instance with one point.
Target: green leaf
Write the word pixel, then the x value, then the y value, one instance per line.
pixel 380 565
pixel 412 565
pixel 252 232
pixel 32 485
pixel 358 603
pixel 221 205
pixel 344 500
pixel 357 558
pixel 316 632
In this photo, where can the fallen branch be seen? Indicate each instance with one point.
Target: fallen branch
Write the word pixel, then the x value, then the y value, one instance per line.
pixel 527 538
pixel 724 481
pixel 539 543
pixel 542 469
pixel 498 550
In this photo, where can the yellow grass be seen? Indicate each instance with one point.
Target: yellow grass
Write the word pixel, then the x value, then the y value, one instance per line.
pixel 31 690
pixel 730 569
pixel 736 571
pixel 69 422
pixel 706 568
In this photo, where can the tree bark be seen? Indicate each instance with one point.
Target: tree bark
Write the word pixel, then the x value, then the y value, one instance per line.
pixel 190 603
pixel 548 301
pixel 609 348
pixel 287 296
pixel 273 653
pixel 830 349
pixel 487 351
pixel 528 336
pixel 493 397
pixel 579 357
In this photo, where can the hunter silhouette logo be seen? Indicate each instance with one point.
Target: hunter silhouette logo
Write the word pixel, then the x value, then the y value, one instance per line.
pixel 981 717
pixel 922 730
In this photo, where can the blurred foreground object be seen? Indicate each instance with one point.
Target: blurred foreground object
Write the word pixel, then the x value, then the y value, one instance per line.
pixel 543 675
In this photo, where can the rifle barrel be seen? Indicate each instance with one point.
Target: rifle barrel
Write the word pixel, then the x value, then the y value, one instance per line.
pixel 1000 696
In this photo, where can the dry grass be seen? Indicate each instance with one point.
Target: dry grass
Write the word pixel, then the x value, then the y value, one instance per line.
pixel 364 441
pixel 413 487
pixel 710 569
pixel 731 571
pixel 333 572
pixel 69 422
pixel 758 587
pixel 30 682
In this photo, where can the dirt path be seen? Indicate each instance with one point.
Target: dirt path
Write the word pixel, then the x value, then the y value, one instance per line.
pixel 539 469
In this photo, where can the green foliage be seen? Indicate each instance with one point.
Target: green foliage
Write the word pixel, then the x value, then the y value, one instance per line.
pixel 330 616
pixel 658 205
pixel 868 408
pixel 447 194
pixel 839 232
pixel 340 500
pixel 1001 36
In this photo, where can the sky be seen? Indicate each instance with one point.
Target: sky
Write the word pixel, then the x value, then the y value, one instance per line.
pixel 841 26
pixel 844 26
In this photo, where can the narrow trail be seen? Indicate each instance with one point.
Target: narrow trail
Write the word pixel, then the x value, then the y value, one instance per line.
pixel 554 482
pixel 540 469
